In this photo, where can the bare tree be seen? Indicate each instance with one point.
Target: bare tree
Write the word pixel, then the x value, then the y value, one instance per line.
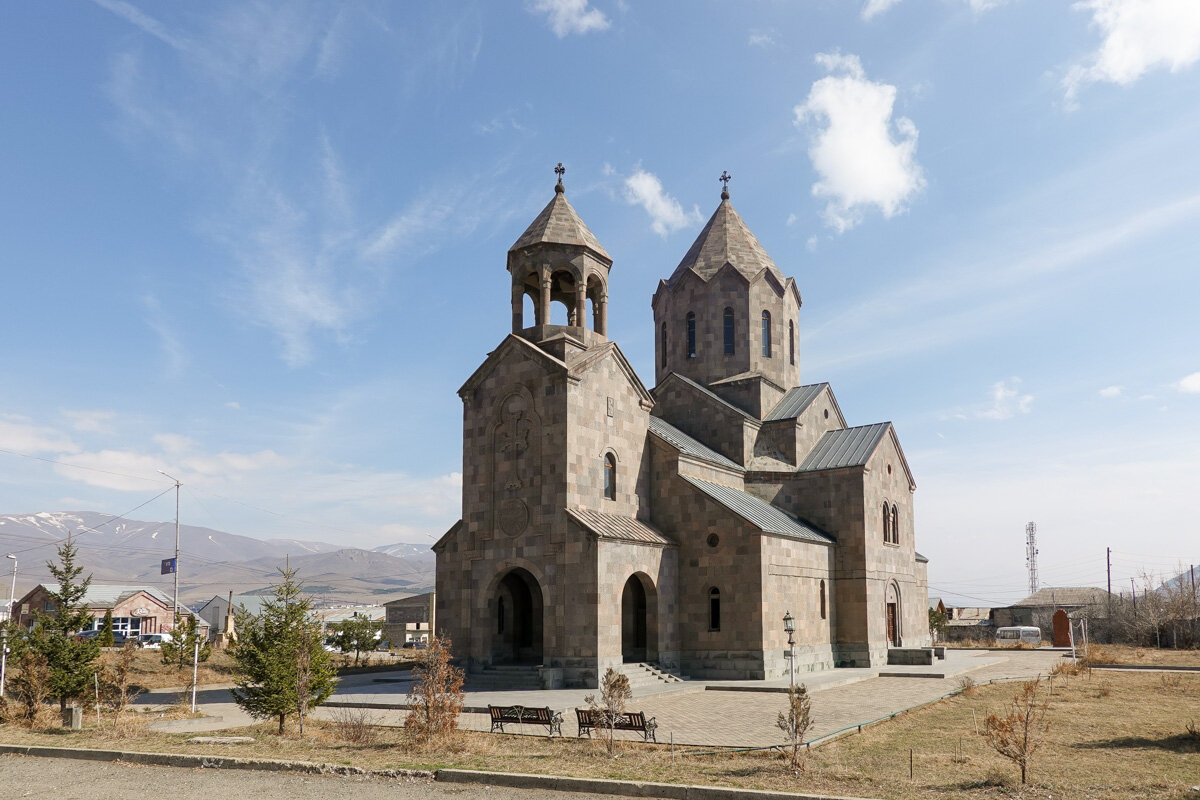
pixel 116 681
pixel 436 698
pixel 1019 733
pixel 615 692
pixel 796 721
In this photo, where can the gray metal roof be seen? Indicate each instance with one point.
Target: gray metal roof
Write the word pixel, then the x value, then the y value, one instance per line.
pixel 850 447
pixel 107 595
pixel 687 445
pixel 612 526
pixel 795 401
pixel 1063 596
pixel 760 513
pixel 922 559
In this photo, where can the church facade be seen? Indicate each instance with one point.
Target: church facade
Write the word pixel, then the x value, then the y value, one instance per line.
pixel 606 524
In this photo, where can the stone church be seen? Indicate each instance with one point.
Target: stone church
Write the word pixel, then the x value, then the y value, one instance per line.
pixel 606 524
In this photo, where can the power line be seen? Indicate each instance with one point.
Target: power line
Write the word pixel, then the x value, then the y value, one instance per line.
pixel 78 466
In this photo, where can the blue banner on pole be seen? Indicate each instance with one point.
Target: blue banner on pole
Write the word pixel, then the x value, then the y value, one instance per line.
pixel 168 566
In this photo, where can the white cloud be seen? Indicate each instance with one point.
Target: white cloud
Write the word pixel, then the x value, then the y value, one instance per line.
pixel 645 189
pixel 758 39
pixel 859 162
pixel 876 7
pixel 1112 391
pixel 1007 401
pixel 168 340
pixel 1189 384
pixel 91 421
pixel 1139 36
pixel 21 435
pixel 569 16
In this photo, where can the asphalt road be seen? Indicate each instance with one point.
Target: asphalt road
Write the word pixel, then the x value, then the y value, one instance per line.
pixel 67 779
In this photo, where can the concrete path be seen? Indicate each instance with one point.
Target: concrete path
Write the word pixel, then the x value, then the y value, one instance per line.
pixel 716 713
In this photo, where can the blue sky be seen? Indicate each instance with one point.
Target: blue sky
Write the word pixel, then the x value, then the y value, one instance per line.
pixel 260 245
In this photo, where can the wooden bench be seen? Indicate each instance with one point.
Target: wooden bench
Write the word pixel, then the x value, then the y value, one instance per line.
pixel 520 715
pixel 589 719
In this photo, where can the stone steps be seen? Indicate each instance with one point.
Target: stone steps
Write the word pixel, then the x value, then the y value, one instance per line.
pixel 504 678
pixel 643 675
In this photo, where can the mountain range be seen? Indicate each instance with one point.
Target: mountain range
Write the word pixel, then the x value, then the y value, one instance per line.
pixel 211 562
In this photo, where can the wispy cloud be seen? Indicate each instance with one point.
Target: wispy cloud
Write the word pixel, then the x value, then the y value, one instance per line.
pixel 874 8
pixel 1189 384
pixel 22 435
pixel 91 421
pixel 760 39
pixel 1112 391
pixel 174 355
pixel 569 16
pixel 863 155
pixel 147 23
pixel 1138 36
pixel 644 189
pixel 1007 401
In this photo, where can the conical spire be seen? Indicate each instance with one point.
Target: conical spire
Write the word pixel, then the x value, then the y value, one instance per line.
pixel 725 240
pixel 559 224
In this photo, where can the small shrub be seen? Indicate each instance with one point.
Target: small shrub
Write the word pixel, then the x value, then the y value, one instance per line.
pixel 615 692
pixel 116 681
pixel 1019 733
pixel 355 726
pixel 1097 655
pixel 1193 732
pixel 31 686
pixel 796 721
pixel 966 685
pixel 437 696
pixel 1103 690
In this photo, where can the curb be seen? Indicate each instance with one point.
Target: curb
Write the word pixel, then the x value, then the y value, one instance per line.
pixel 513 780
pixel 1149 667
pixel 205 762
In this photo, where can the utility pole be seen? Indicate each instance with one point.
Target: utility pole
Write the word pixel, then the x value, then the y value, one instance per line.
pixel 1108 559
pixel 1133 589
pixel 175 564
pixel 7 619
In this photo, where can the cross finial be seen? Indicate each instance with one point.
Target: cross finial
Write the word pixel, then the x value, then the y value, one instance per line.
pixel 725 179
pixel 560 170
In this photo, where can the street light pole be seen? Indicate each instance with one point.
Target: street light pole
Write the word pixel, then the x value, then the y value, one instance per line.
pixel 175 563
pixel 789 625
pixel 7 618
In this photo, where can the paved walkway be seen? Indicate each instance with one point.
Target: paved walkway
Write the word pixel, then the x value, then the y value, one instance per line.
pixel 716 713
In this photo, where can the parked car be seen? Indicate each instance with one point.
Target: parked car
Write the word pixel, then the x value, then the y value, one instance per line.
pixel 416 644
pixel 84 636
pixel 153 641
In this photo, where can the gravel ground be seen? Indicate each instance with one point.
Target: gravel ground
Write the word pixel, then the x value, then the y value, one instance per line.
pixel 66 779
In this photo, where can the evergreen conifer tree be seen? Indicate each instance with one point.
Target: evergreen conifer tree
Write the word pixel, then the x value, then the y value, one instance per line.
pixel 284 668
pixel 69 660
pixel 179 650
pixel 106 630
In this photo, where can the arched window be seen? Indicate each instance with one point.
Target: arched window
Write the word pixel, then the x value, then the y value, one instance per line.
pixel 714 609
pixel 766 334
pixel 663 342
pixel 728 331
pixel 691 334
pixel 822 599
pixel 791 342
pixel 895 524
pixel 887 523
pixel 610 476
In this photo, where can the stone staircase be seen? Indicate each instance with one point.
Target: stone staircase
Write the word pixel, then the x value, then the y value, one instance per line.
pixel 504 678
pixel 645 678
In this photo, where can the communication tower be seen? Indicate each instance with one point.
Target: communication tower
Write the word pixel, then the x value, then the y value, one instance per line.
pixel 1031 552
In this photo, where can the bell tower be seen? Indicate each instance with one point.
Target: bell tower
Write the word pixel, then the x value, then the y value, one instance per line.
pixel 558 260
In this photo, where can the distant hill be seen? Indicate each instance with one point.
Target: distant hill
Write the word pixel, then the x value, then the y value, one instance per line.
pixel 212 561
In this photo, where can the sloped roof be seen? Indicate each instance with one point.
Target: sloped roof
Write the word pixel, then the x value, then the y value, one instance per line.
pixel 920 558
pixel 687 445
pixel 559 224
pixel 1063 596
pixel 760 513
pixel 709 393
pixel 726 240
pixel 107 595
pixel 613 526
pixel 792 404
pixel 850 447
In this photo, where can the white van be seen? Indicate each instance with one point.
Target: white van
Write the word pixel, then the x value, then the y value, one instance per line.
pixel 1024 634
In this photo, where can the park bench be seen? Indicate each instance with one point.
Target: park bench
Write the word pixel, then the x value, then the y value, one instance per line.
pixel 590 719
pixel 521 715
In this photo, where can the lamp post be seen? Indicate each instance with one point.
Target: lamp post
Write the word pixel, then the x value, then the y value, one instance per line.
pixel 789 625
pixel 175 563
pixel 7 617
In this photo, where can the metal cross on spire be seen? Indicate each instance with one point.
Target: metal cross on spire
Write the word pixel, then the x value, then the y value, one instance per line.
pixel 560 170
pixel 725 179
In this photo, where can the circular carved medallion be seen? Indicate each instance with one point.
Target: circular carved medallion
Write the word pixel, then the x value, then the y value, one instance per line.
pixel 513 516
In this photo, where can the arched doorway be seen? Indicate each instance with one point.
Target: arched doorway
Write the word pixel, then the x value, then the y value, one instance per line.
pixel 639 631
pixel 893 619
pixel 517 619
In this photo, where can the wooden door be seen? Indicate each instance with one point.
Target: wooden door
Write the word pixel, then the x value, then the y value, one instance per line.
pixel 891 624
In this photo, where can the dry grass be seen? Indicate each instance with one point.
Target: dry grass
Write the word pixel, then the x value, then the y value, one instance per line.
pixel 1132 744
pixel 1125 654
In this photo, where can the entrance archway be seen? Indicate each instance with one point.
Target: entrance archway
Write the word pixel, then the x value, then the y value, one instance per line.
pixel 892 618
pixel 639 629
pixel 517 619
